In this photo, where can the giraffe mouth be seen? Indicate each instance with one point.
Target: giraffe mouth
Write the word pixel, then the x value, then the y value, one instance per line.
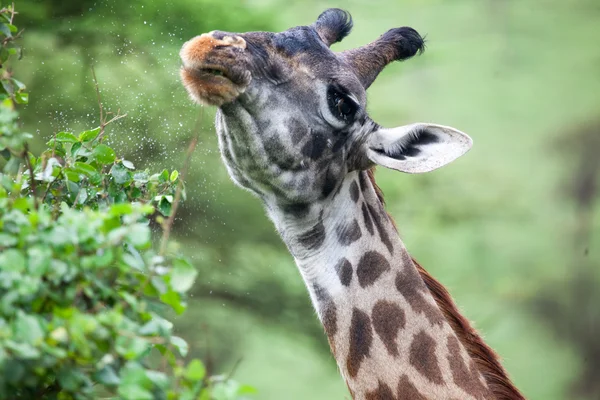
pixel 214 84
pixel 212 71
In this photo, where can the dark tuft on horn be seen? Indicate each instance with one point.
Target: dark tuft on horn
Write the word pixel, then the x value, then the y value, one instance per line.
pixel 333 25
pixel 395 45
pixel 406 40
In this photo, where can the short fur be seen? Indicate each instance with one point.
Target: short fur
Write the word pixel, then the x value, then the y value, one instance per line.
pixel 293 129
pixel 486 359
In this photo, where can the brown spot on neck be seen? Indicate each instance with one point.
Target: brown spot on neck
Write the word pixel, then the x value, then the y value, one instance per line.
pixel 383 392
pixel 361 338
pixel 388 318
pixel 408 391
pixel 466 378
pixel 370 267
pixel 327 311
pixel 423 358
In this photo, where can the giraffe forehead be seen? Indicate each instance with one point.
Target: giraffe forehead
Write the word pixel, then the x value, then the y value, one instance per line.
pixel 299 52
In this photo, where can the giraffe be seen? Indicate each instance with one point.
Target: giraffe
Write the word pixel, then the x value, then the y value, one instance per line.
pixel 293 129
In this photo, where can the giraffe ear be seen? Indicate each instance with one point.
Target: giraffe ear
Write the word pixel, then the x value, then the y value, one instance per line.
pixel 416 148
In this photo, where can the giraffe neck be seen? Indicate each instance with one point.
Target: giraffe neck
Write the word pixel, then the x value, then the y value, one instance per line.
pixel 389 338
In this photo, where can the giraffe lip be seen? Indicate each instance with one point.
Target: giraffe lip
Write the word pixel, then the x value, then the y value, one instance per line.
pixel 234 74
pixel 212 71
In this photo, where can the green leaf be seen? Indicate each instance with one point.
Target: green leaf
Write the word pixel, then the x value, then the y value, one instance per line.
pixel 160 379
pixel 5 29
pixel 12 166
pixel 12 260
pixel 104 154
pixel 28 329
pixel 127 164
pixel 134 392
pixel 66 137
pixel 139 236
pixel 246 389
pixel 72 175
pixel 174 175
pixel 156 326
pixel 38 260
pixel 164 176
pixel 164 206
pixel 121 209
pixel 75 150
pixel 90 135
pixel 22 350
pixel 8 88
pixel 107 376
pixel 195 370
pixel 131 347
pixel 85 169
pixel 20 85
pixel 7 240
pixel 173 299
pixel 135 193
pixel 180 344
pixel 4 54
pixel 183 275
pixel 134 382
pixel 22 98
pixel 120 174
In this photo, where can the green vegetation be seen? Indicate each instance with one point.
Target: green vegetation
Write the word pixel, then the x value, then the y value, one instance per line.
pixel 511 228
pixel 83 291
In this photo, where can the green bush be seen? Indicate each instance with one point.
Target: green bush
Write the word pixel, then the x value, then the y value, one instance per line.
pixel 84 289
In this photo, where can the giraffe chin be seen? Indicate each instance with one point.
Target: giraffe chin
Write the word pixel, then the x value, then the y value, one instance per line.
pixel 212 86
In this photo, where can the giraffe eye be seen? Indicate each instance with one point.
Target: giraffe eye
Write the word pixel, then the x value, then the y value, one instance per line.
pixel 340 105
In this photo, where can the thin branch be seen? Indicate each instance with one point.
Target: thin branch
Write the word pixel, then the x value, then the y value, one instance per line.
pixel 12 13
pixel 234 368
pixel 103 115
pixel 50 184
pixel 113 119
pixel 99 100
pixel 31 177
pixel 188 156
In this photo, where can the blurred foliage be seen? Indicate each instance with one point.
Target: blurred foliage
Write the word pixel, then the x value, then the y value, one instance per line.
pixel 502 227
pixel 83 292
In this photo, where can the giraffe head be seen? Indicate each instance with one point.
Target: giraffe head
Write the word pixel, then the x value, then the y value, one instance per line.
pixel 292 119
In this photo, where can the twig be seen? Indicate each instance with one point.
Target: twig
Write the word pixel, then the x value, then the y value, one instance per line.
pixel 188 155
pixel 103 121
pixel 234 368
pixel 12 12
pixel 50 184
pixel 12 16
pixel 113 119
pixel 31 177
pixel 99 100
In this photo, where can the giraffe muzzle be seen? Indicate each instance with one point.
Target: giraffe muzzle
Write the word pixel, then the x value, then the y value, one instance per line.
pixel 213 67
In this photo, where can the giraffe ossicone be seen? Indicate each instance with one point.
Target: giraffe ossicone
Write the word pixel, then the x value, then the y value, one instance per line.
pixel 293 129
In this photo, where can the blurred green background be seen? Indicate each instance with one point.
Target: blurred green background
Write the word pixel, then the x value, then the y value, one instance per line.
pixel 510 229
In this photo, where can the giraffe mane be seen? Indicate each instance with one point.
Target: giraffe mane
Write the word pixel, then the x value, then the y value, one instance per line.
pixel 487 361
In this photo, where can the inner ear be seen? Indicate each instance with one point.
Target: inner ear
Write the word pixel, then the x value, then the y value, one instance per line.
pixel 333 25
pixel 409 144
pixel 416 148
